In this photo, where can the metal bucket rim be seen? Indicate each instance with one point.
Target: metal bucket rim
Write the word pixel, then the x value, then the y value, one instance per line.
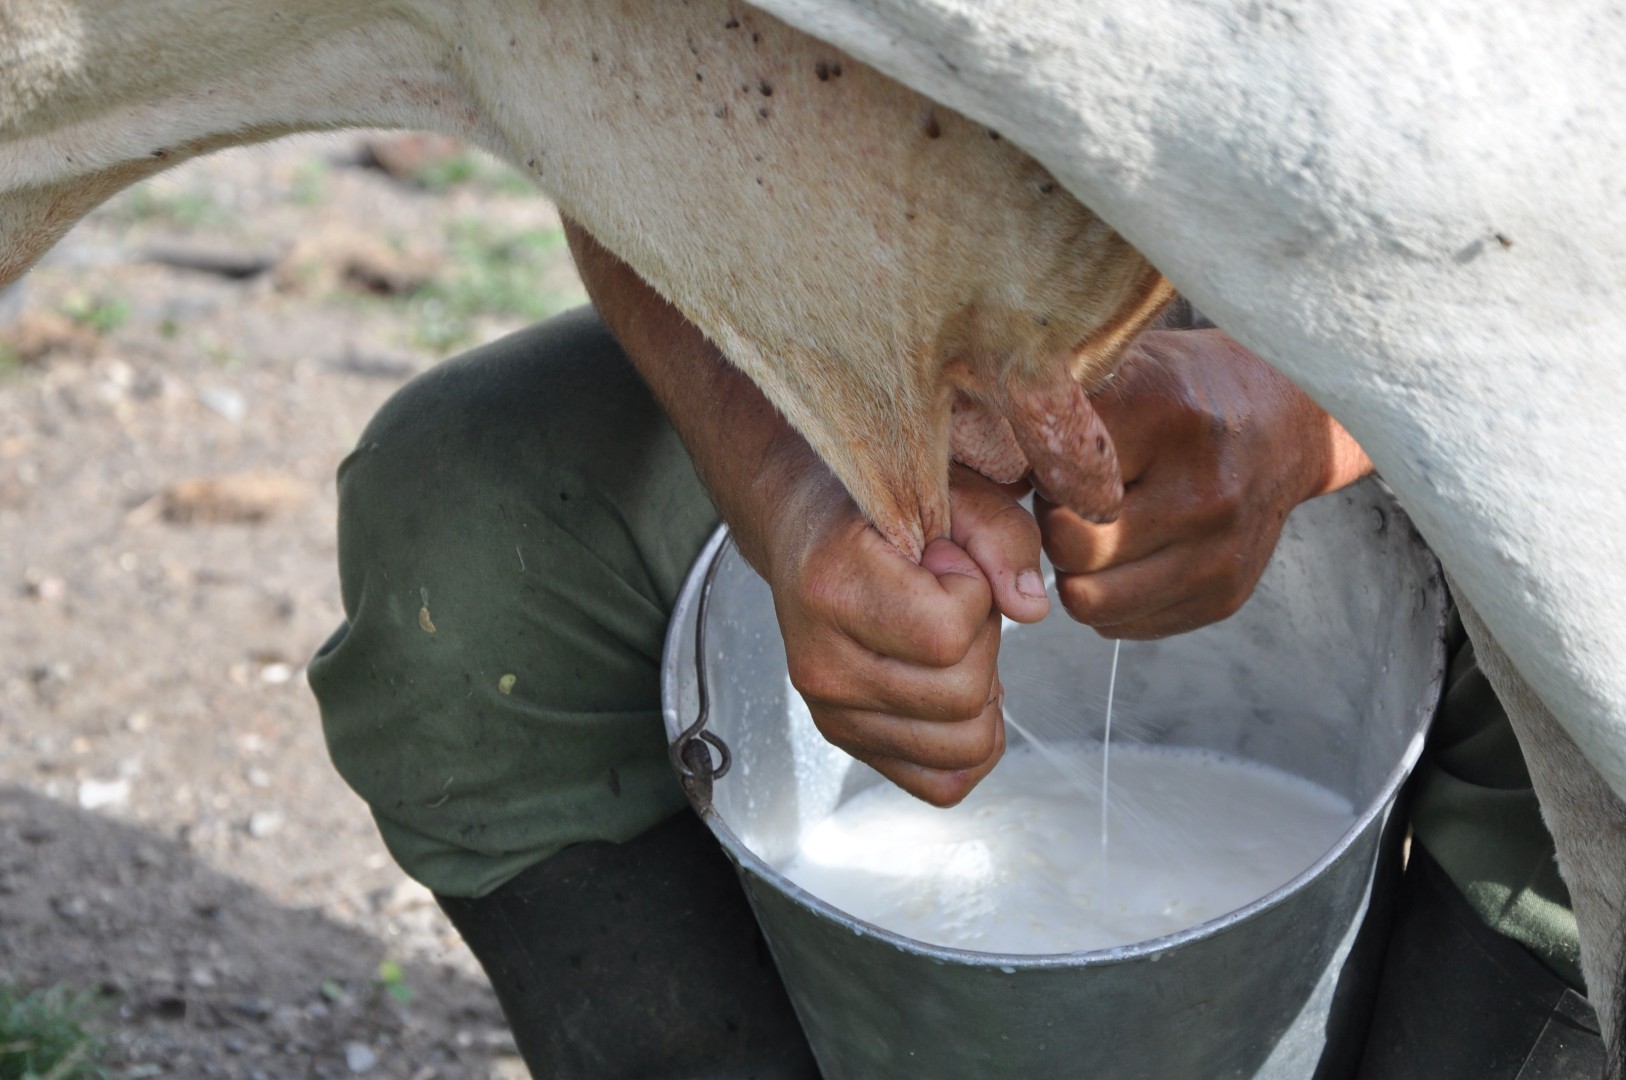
pixel 680 632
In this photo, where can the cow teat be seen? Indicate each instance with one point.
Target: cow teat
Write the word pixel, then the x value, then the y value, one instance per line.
pixel 1049 434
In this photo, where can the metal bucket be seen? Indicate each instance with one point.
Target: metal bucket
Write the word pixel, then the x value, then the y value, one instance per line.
pixel 1331 671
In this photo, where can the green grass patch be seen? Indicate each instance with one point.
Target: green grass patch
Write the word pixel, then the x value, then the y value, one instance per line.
pixel 309 186
pixel 493 271
pixel 103 314
pixel 150 203
pixel 392 981
pixel 472 168
pixel 43 1035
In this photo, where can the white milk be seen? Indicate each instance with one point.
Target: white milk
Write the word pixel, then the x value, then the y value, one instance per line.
pixel 1018 866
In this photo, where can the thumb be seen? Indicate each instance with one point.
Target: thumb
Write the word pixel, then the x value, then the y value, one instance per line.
pixel 1003 539
pixel 959 576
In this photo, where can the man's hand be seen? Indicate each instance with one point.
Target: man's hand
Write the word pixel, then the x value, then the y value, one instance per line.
pixel 897 660
pixel 1216 448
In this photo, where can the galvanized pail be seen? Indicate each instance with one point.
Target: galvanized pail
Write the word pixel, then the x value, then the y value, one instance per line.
pixel 1331 671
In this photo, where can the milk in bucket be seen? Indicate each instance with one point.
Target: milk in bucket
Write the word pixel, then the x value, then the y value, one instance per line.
pixel 1019 866
pixel 1328 675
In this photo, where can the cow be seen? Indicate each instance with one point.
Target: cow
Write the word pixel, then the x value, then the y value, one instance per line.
pixel 886 214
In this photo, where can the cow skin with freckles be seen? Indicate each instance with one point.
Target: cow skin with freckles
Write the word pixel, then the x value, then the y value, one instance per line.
pixel 876 263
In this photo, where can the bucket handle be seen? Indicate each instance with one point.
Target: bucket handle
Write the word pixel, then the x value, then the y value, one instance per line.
pixel 691 759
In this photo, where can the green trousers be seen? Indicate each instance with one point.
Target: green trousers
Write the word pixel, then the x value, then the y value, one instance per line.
pixel 514 527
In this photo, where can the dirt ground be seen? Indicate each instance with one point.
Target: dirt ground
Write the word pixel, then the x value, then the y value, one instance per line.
pixel 178 382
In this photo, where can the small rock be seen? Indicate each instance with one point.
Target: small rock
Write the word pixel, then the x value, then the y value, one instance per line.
pixel 211 257
pixel 138 722
pixel 71 908
pixel 405 156
pixel 407 895
pixel 37 335
pixel 100 794
pixel 359 1057
pixel 240 498
pixel 508 1067
pixel 255 1008
pixel 276 674
pixel 258 778
pixel 46 588
pixel 353 260
pixel 225 401
pixel 263 823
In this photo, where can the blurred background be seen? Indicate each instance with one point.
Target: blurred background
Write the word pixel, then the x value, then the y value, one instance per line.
pixel 182 875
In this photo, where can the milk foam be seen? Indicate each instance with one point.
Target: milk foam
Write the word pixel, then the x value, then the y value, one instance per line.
pixel 1019 866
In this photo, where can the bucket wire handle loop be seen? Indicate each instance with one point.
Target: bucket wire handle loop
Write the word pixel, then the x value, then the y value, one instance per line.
pixel 680 745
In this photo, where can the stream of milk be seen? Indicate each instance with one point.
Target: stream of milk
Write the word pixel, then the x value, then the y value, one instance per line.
pixel 1016 867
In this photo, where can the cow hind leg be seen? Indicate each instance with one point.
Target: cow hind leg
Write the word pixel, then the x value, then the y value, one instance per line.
pixel 1588 824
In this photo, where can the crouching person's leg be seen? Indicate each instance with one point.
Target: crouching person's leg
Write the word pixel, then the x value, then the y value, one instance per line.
pixel 513 530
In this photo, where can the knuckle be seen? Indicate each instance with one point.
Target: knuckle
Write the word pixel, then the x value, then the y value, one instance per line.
pixel 984 742
pixel 1230 603
pixel 944 790
pixel 1228 589
pixel 1086 605
pixel 1224 505
pixel 966 702
pixel 944 644
pixel 811 679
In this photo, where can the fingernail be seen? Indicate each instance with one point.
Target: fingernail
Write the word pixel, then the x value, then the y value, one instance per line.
pixel 1029 583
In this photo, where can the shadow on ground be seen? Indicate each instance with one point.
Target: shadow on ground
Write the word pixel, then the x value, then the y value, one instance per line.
pixel 210 977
